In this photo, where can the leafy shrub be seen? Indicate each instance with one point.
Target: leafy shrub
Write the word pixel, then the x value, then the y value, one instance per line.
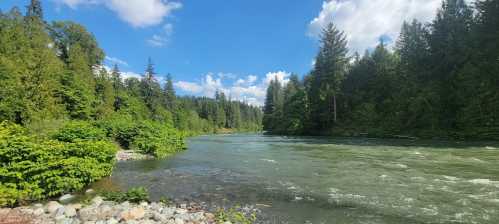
pixel 158 140
pixel 134 195
pixel 147 137
pixel 234 216
pixel 33 170
pixel 79 130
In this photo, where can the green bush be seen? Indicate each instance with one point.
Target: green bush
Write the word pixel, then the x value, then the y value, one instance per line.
pixel 148 137
pixel 134 195
pixel 158 140
pixel 79 130
pixel 33 169
pixel 234 216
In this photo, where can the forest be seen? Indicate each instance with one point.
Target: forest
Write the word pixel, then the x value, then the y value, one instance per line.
pixel 438 80
pixel 63 113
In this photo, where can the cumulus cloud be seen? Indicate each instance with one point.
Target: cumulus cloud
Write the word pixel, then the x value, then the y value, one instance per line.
pixel 138 13
pixel 249 89
pixel 366 21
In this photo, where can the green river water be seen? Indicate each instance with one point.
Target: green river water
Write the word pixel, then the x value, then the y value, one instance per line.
pixel 318 180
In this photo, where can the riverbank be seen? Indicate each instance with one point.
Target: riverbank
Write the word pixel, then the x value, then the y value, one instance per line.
pixel 100 211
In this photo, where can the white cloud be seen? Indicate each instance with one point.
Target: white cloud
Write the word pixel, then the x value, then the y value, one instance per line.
pixel 189 87
pixel 157 41
pixel 128 74
pixel 249 89
pixel 365 21
pixel 281 76
pixel 162 38
pixel 138 13
pixel 116 61
pixel 75 3
pixel 249 80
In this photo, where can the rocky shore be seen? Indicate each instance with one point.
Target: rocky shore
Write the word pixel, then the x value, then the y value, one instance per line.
pixel 126 155
pixel 99 211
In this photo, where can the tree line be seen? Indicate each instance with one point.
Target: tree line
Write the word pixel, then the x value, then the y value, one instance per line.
pixel 54 71
pixel 441 79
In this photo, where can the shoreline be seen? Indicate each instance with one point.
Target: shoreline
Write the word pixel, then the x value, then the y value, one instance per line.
pixel 100 211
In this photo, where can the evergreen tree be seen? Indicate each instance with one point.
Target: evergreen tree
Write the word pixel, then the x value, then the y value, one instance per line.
pixel 449 46
pixel 105 94
pixel 150 91
pixel 169 93
pixel 295 107
pixel 328 73
pixel 78 92
pixel 34 10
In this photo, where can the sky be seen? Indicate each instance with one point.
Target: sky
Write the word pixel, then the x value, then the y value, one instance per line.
pixel 233 46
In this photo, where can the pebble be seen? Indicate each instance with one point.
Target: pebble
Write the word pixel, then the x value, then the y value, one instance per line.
pixel 106 212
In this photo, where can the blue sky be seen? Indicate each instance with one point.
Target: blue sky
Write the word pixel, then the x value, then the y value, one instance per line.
pixel 234 46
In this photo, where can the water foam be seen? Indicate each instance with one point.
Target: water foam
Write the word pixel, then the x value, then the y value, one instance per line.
pixel 269 160
pixel 484 182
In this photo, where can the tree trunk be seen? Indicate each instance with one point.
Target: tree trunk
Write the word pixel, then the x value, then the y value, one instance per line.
pixel 334 105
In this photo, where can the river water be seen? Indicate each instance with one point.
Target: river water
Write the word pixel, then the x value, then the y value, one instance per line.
pixel 318 180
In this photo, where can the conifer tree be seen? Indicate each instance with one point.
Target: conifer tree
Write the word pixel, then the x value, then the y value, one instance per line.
pixel 169 93
pixel 328 73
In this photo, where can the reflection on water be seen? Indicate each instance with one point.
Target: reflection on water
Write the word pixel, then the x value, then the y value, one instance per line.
pixel 318 180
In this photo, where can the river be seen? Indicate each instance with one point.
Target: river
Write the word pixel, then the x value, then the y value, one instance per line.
pixel 319 180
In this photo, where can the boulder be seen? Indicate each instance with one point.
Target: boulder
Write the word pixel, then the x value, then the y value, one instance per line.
pixel 97 201
pixel 209 216
pixel 60 211
pixel 105 212
pixel 52 207
pixel 70 211
pixel 112 221
pixel 133 214
pixel 181 211
pixel 88 214
pixel 76 206
pixel 168 211
pixel 38 212
pixel 156 216
pixel 66 198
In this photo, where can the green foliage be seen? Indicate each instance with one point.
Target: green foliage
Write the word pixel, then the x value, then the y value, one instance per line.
pixel 148 137
pixel 166 201
pixel 158 140
pixel 53 83
pixel 134 195
pixel 78 131
pixel 435 82
pixel 34 170
pixel 234 216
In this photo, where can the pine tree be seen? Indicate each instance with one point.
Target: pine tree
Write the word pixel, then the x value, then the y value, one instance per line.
pixel 449 43
pixel 295 106
pixel 34 10
pixel 78 92
pixel 150 90
pixel 169 93
pixel 329 72
pixel 105 94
